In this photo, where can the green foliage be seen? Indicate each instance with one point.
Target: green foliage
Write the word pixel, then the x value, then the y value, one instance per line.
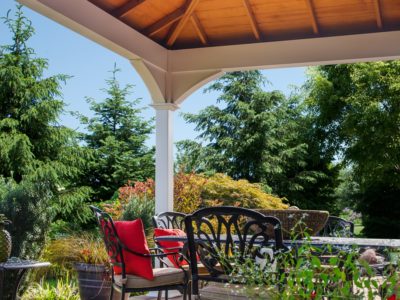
pixel 262 137
pixel 34 147
pixel 4 220
pixel 85 248
pixel 116 136
pixel 64 289
pixel 356 108
pixel 140 208
pixel 224 190
pixel 302 273
pixel 28 206
pixel 347 190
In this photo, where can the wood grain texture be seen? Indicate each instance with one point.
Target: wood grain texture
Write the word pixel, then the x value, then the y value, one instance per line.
pixel 378 14
pixel 165 22
pixel 252 19
pixel 199 29
pixel 126 8
pixel 173 35
pixel 310 7
pixel 178 24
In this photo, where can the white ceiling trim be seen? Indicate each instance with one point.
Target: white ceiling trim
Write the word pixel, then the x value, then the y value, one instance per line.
pixel 292 53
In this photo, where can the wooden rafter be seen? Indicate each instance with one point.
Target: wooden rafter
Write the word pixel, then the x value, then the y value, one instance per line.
pixel 126 8
pixel 164 22
pixel 311 10
pixel 199 29
pixel 176 30
pixel 378 14
pixel 252 18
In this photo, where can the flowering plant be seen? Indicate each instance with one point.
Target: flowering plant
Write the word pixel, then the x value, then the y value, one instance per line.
pixel 143 191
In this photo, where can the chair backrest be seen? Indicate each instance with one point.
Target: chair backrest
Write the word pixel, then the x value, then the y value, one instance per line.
pixel 216 233
pixel 110 237
pixel 338 227
pixel 169 220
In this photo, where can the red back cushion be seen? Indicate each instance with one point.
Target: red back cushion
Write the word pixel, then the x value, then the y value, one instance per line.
pixel 174 258
pixel 131 234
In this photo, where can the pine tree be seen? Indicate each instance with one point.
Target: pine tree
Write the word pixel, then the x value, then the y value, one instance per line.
pixel 34 146
pixel 258 136
pixel 39 159
pixel 117 135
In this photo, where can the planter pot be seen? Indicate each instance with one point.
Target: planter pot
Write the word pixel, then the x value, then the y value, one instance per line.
pixel 94 281
pixel 300 221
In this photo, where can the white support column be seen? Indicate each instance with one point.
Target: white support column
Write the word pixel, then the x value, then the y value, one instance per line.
pixel 164 156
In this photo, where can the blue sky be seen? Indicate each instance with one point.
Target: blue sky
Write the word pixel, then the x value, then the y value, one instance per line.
pixel 89 64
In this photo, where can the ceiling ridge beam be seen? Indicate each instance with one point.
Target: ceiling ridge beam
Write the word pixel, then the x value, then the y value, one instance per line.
pixel 252 18
pixel 378 14
pixel 176 30
pixel 124 9
pixel 311 10
pixel 199 29
pixel 164 22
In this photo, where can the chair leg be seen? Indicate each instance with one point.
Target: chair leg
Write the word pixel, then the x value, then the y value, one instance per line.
pixel 185 288
pixel 166 294
pixel 195 287
pixel 112 293
pixel 159 295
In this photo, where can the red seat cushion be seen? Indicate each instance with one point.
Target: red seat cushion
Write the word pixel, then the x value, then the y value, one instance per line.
pixel 174 258
pixel 131 234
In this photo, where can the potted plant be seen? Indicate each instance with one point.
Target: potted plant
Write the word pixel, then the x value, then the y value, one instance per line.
pixel 5 239
pixel 93 270
pixel 87 255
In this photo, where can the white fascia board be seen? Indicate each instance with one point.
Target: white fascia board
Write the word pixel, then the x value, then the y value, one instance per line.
pixel 92 22
pixel 293 53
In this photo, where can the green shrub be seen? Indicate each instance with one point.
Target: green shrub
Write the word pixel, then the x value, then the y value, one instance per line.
pixel 191 192
pixel 224 190
pixel 64 289
pixel 28 206
pixel 140 208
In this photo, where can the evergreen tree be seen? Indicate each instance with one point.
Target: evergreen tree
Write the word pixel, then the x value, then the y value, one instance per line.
pixel 357 110
pixel 259 136
pixel 39 159
pixel 116 136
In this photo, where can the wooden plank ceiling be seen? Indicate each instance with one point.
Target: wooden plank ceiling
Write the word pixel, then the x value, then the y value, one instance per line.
pixel 179 24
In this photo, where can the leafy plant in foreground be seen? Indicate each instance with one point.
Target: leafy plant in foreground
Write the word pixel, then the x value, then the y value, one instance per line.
pixel 65 289
pixel 308 272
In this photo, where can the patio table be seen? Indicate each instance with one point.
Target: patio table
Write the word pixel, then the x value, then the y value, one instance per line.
pixel 319 241
pixel 20 266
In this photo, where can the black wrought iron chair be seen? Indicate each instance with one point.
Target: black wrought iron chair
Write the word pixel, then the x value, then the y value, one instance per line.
pixel 338 227
pixel 169 220
pixel 164 278
pixel 217 233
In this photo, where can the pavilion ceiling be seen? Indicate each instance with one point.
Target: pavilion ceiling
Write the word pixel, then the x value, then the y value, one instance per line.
pixel 180 24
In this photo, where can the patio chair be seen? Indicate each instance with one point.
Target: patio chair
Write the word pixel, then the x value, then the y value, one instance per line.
pixel 165 279
pixel 337 227
pixel 216 234
pixel 169 220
